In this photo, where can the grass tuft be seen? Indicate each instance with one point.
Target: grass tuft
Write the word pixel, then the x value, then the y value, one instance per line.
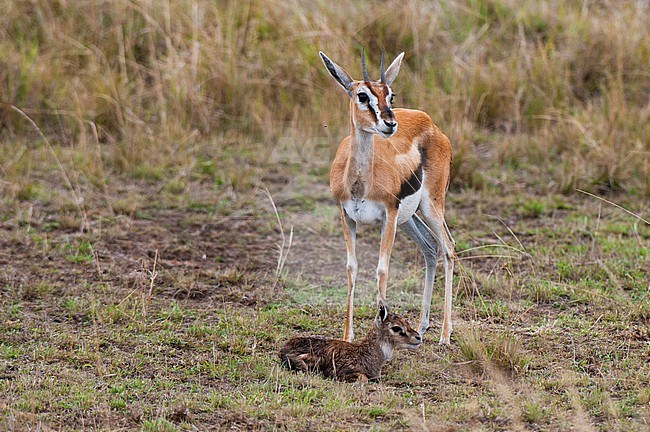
pixel 502 350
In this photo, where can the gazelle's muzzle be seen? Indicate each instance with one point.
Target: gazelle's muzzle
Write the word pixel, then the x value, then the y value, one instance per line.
pixel 414 340
pixel 387 124
pixel 387 128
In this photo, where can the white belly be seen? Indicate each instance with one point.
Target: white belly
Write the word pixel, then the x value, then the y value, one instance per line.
pixel 364 211
pixel 408 206
pixel 370 212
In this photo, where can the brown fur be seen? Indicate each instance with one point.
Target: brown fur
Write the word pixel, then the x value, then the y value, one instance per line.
pixel 415 130
pixel 350 362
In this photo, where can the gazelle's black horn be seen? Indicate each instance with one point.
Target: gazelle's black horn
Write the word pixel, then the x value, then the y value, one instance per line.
pixel 382 75
pixel 363 65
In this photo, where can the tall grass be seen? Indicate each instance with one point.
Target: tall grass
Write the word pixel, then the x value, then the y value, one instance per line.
pixel 133 84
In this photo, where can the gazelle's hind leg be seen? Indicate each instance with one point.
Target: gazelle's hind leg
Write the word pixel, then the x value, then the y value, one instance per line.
pixel 421 235
pixel 434 216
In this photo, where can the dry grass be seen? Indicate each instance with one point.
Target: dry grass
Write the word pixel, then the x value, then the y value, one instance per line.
pixel 140 86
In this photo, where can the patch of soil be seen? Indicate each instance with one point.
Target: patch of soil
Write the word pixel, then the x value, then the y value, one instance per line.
pixel 188 255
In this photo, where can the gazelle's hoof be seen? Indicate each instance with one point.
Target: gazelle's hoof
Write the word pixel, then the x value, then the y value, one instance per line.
pixel 423 329
pixel 445 340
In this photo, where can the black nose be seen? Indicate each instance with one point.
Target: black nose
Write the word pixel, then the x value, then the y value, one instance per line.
pixel 418 338
pixel 390 124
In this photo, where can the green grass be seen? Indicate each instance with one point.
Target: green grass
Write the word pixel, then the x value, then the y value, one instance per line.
pixel 537 339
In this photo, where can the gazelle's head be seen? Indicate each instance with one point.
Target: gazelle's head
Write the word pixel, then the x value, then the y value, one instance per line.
pixel 370 101
pixel 394 331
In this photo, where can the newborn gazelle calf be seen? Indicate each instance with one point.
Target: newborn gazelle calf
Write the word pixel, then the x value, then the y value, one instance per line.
pixel 352 361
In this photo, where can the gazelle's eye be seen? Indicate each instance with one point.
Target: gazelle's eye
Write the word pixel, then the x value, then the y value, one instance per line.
pixel 397 329
pixel 363 98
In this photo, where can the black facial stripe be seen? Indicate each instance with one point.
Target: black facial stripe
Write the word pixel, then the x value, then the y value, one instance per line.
pixel 414 183
pixel 370 107
pixel 372 111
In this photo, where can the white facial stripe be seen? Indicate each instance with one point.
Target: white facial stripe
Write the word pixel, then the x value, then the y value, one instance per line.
pixel 373 102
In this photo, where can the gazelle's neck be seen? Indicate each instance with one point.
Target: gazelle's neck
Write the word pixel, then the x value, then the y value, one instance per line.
pixel 374 352
pixel 359 173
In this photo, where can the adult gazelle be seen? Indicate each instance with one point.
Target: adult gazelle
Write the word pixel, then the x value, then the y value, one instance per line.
pixel 394 164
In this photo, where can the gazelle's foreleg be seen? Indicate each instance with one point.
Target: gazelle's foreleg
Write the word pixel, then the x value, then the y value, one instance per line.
pixel 388 231
pixel 434 216
pixel 350 234
pixel 421 235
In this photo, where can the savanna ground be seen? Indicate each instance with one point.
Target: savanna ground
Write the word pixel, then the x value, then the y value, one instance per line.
pixel 166 222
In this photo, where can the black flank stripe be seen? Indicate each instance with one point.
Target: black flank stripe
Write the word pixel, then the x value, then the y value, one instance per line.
pixel 414 183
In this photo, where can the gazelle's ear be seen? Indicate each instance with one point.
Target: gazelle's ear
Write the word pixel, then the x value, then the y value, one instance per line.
pixel 382 311
pixel 338 73
pixel 393 69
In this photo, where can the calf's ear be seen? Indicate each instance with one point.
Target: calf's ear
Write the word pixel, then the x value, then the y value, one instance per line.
pixel 382 311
